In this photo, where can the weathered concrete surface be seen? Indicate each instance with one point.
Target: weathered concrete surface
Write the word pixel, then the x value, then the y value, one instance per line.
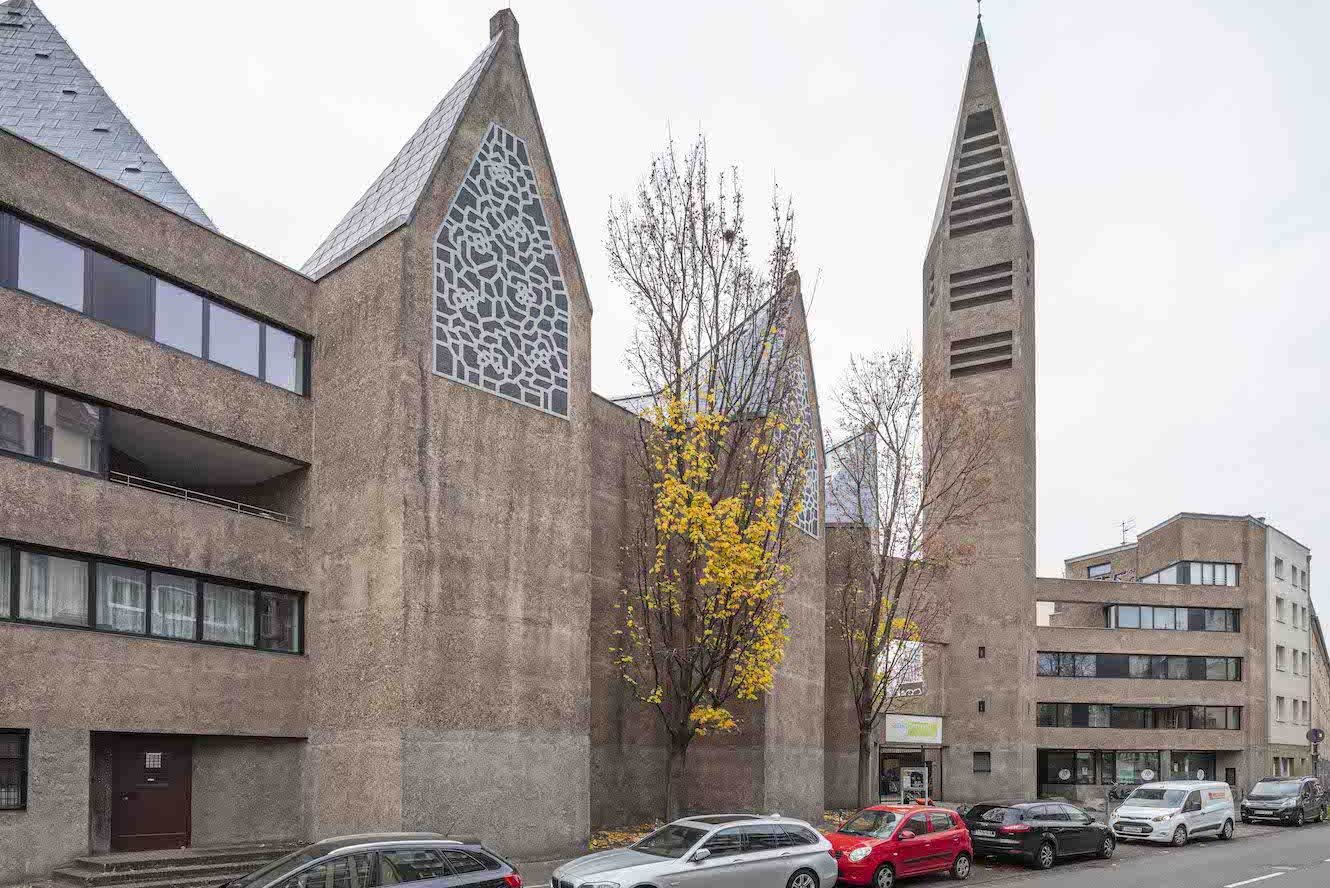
pixel 34 841
pixel 247 790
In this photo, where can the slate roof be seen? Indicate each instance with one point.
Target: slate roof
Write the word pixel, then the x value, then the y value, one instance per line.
pixel 392 198
pixel 49 97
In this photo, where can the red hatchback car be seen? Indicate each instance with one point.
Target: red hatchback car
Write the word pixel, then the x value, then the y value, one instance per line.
pixel 885 842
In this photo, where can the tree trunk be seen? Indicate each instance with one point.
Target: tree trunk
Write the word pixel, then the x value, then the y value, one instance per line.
pixel 676 780
pixel 868 792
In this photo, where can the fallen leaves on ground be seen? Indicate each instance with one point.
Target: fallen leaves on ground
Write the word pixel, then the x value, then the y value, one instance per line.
pixel 620 836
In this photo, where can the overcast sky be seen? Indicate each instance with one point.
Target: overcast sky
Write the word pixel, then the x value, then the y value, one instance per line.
pixel 1173 156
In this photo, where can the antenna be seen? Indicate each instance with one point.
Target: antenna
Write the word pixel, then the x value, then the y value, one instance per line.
pixel 980 4
pixel 1126 526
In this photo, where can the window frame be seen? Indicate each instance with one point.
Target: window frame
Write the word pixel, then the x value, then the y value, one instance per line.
pixel 10 220
pixel 1115 665
pixel 24 737
pixel 15 547
pixel 984 757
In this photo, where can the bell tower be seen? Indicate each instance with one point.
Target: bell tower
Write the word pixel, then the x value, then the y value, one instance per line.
pixel 979 342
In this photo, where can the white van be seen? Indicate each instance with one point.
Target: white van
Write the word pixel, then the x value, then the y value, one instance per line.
pixel 1174 811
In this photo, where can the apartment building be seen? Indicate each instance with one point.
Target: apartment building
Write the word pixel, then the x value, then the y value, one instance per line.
pixel 296 553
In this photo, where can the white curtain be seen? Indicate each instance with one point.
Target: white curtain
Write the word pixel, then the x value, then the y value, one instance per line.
pixel 122 598
pixel 228 614
pixel 172 606
pixel 54 590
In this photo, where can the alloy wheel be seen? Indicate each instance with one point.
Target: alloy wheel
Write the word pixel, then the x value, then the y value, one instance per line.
pixel 1227 831
pixel 803 880
pixel 961 868
pixel 1180 836
pixel 1299 817
pixel 1045 856
pixel 1106 849
pixel 885 878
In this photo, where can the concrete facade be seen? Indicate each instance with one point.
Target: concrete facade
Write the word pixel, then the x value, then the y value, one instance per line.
pixel 456 554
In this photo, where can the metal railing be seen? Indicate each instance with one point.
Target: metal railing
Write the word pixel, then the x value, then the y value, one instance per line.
pixel 196 497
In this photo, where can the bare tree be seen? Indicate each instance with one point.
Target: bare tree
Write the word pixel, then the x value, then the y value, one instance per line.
pixel 912 476
pixel 724 448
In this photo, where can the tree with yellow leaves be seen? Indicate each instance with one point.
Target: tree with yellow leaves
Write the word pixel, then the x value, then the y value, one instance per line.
pixel 907 483
pixel 724 450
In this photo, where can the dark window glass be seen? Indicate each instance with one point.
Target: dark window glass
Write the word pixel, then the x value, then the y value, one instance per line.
pixel 1216 620
pixel 279 621
pixel 1080 715
pixel 1113 666
pixel 1107 767
pixel 18 418
pixel 1067 665
pixel 1196 619
pixel 233 339
pixel 763 837
pixel 1087 665
pixel 1100 715
pixel 941 822
pixel 120 295
pixel 1233 718
pixel 917 824
pixel 411 865
pixel 173 605
pixel 1234 669
pixel 725 843
pixel 228 614
pixel 50 267
pixel 1064 715
pixel 462 863
pixel 1053 813
pixel 179 318
pixel 1129 616
pixel 1048 663
pixel 1216 668
pixel 1158 666
pixel 122 598
pixel 1139 666
pixel 283 359
pixel 1130 717
pixel 350 871
pixel 6 578
pixel 1047 715
pixel 798 835
pixel 53 590
pixel 72 433
pixel 13 770
pixel 1178 667
pixel 983 761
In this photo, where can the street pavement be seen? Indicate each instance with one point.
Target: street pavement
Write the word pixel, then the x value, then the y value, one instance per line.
pixel 1264 856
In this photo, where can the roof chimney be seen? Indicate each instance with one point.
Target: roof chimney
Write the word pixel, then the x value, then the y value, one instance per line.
pixel 501 21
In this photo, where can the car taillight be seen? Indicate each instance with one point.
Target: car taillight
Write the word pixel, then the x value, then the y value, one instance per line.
pixel 513 880
pixel 1016 828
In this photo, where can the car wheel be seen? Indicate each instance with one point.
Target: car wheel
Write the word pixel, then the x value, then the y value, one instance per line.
pixel 960 869
pixel 1045 856
pixel 1227 832
pixel 1300 817
pixel 1106 847
pixel 802 879
pixel 885 877
pixel 1179 837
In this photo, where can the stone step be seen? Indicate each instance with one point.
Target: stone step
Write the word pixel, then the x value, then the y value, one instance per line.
pixel 242 856
pixel 165 879
pixel 215 870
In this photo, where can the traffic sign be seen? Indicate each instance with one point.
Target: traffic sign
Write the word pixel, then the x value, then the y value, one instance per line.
pixel 1316 735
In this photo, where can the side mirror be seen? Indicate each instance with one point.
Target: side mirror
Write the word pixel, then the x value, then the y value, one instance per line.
pixel 701 854
pixel 905 834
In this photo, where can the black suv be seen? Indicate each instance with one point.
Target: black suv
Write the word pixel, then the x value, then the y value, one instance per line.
pixel 1039 832
pixel 1292 800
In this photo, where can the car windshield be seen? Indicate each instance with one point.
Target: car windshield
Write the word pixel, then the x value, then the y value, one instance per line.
pixel 1279 789
pixel 670 841
pixel 874 824
pixel 1153 797
pixel 280 866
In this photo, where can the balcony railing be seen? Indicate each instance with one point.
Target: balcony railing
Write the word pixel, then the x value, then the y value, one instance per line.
pixel 196 497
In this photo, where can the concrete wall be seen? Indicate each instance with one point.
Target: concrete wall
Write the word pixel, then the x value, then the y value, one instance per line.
pixel 247 790
pixel 55 825
pixel 1294 635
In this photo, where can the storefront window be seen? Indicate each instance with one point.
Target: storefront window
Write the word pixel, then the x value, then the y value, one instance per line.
pixel 1136 767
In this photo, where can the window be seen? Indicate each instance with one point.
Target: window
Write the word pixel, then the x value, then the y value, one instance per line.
pixel 13 770
pixel 725 843
pixel 1279 708
pixel 1129 617
pixel 71 433
pixel 173 597
pixel 798 835
pixel 763 837
pixel 350 871
pixel 279 621
pixel 50 267
pixel 228 614
pixel 1296 616
pixel 6 579
pixel 1100 716
pixel 1155 666
pixel 122 598
pixel 120 295
pixel 983 762
pixel 1280 658
pixel 940 822
pixel 1195 619
pixel 1279 568
pixel 982 705
pixel 1139 666
pixel 18 418
pixel 179 318
pixel 1196 573
pixel 463 863
pixel 53 590
pixel 982 652
pixel 411 865
pixel 1164 618
pixel 1099 571
pixel 1087 666
pixel 917 824
pixel 283 359
pixel 1279 609
pixel 233 339
pixel 1047 715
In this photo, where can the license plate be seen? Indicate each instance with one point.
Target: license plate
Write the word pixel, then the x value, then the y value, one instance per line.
pixel 985 833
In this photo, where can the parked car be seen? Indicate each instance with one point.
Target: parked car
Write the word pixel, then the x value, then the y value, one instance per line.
pixel 380 859
pixel 715 851
pixel 1175 811
pixel 1292 800
pixel 1041 833
pixel 885 842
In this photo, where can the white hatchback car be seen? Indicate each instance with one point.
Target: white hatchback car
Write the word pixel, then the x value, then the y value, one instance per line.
pixel 1175 811
pixel 717 851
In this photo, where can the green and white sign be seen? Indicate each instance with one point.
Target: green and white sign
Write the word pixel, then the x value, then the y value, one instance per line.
pixel 911 730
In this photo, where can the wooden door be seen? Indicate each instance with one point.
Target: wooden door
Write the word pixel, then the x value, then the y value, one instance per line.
pixel 150 796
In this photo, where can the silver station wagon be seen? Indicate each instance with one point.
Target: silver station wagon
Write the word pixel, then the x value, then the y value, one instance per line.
pixel 716 851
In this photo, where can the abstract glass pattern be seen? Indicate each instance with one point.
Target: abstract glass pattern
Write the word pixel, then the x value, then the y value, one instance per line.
pixel 500 301
pixel 808 507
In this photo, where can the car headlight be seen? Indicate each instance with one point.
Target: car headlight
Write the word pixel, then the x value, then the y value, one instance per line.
pixel 1288 803
pixel 860 853
pixel 601 885
pixel 1161 818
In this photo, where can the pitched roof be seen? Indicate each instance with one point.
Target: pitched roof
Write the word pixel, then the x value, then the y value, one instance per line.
pixel 392 198
pixel 49 97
